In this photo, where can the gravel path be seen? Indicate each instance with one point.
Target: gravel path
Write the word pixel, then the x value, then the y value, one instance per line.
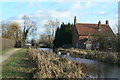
pixel 7 55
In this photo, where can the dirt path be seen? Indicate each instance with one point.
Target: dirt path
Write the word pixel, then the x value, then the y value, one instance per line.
pixel 7 55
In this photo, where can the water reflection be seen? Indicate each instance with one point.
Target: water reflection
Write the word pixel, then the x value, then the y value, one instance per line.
pixel 95 68
pixel 46 49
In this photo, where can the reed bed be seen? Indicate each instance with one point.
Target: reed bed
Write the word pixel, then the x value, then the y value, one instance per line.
pixel 108 57
pixel 49 65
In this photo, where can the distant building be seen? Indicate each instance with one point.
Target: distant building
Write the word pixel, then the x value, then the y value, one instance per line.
pixel 82 32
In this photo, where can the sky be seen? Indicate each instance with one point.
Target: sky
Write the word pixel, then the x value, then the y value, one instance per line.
pixel 64 11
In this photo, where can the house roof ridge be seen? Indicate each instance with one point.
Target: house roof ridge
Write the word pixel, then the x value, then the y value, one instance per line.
pixel 89 23
pixel 85 23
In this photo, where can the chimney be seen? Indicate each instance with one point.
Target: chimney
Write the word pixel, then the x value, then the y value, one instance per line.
pixel 107 22
pixel 99 26
pixel 75 20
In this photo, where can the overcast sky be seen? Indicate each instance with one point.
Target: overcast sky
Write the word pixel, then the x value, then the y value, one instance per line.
pixel 64 11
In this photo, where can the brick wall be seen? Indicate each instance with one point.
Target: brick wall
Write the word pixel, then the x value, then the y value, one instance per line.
pixel 75 37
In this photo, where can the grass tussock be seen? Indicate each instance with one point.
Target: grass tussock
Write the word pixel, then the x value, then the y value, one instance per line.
pixel 49 65
pixel 109 57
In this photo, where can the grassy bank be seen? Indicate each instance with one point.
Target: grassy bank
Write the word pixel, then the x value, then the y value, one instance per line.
pixel 49 65
pixel 17 66
pixel 108 57
pixel 6 50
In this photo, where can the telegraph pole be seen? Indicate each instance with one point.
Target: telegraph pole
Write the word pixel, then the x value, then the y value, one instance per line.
pixel 119 18
pixel 118 36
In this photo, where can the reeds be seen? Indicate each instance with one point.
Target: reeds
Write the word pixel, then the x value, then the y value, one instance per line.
pixel 108 57
pixel 49 65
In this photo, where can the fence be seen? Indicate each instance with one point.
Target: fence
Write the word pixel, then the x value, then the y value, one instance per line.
pixel 6 43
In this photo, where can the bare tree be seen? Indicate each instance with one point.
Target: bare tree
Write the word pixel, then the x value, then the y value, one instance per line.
pixel 29 28
pixel 4 27
pixel 50 28
pixel 43 38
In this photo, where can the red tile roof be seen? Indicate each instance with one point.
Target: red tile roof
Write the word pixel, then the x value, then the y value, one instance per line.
pixel 86 29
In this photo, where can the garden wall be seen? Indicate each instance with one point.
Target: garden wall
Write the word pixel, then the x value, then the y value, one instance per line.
pixel 6 43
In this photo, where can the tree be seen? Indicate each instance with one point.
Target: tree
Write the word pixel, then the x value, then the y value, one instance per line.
pixel 11 31
pixel 63 35
pixel 117 39
pixel 43 38
pixel 33 42
pixel 50 28
pixel 29 28
pixel 105 39
pixel 4 27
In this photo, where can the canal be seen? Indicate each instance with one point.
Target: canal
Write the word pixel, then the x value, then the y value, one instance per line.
pixel 94 68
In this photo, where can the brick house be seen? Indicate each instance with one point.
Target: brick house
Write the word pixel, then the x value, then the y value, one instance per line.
pixel 84 31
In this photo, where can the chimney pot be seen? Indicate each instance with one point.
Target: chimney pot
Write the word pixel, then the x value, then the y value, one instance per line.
pixel 99 25
pixel 107 22
pixel 75 20
pixel 99 22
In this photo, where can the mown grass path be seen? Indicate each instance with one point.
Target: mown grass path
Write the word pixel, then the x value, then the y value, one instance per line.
pixel 17 66
pixel 7 55
pixel 2 52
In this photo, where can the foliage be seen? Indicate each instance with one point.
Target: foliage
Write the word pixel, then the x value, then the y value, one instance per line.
pixel 15 31
pixel 63 35
pixel 105 39
pixel 118 43
pixel 115 41
pixel 11 31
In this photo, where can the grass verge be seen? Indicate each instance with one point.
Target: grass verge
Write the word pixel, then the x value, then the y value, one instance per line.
pixel 17 66
pixel 6 50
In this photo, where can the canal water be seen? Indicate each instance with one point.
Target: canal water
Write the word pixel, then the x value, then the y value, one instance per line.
pixel 95 68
